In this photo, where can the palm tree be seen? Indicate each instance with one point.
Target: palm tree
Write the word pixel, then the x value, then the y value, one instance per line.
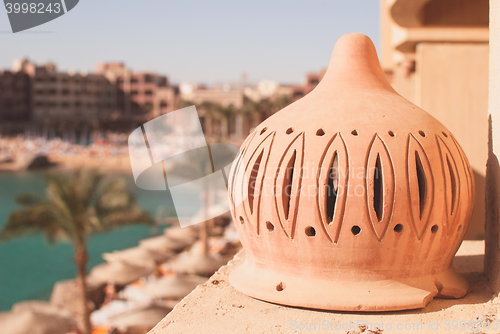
pixel 196 163
pixel 280 102
pixel 211 111
pixel 78 205
pixel 225 115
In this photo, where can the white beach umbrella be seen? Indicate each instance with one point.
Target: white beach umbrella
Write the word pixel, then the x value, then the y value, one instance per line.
pixel 203 265
pixel 120 273
pixel 141 318
pixel 137 256
pixel 30 321
pixel 163 243
pixel 190 233
pixel 172 287
pixel 39 305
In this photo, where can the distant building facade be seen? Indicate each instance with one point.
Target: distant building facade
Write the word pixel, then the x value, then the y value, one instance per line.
pixel 140 94
pixel 15 96
pixel 62 95
pixel 42 99
pixel 312 80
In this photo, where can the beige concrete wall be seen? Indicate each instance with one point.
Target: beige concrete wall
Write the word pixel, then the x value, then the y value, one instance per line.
pixel 403 82
pixel 492 236
pixel 451 83
pixel 386 57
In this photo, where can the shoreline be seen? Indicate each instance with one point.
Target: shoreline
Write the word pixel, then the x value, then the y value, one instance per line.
pixel 107 164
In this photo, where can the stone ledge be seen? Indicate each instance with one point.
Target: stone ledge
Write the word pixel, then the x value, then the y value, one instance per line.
pixel 215 307
pixel 406 40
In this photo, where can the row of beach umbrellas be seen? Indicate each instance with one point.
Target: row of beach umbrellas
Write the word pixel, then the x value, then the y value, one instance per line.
pixel 36 317
pixel 129 265
pixel 145 304
pixel 140 305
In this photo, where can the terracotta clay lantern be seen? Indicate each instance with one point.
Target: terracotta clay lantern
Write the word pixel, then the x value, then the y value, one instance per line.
pixel 352 198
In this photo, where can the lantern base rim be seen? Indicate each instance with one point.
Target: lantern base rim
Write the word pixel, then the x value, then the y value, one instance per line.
pixel 358 296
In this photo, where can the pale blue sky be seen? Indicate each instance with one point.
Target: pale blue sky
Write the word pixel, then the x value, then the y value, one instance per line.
pixel 206 41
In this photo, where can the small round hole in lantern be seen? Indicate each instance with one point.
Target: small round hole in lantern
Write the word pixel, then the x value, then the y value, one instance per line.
pixel 289 131
pixel 354 132
pixel 310 231
pixel 398 228
pixel 320 132
pixel 263 130
pixel 391 133
pixel 422 133
pixel 280 286
pixel 242 221
pixel 270 226
pixel 434 229
pixel 356 230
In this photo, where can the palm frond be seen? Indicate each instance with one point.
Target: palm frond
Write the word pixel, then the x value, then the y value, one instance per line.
pixel 28 199
pixel 32 221
pixel 126 217
pixel 79 204
pixel 87 184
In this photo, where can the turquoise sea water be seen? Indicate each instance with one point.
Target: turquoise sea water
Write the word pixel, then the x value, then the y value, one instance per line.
pixel 29 266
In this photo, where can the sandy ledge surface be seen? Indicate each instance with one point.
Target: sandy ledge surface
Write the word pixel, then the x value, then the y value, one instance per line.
pixel 215 307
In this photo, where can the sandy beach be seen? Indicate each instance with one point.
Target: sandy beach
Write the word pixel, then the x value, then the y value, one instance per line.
pixel 110 164
pixel 17 154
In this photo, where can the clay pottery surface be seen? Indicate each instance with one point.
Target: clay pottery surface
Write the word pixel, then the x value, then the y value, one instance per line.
pixel 352 198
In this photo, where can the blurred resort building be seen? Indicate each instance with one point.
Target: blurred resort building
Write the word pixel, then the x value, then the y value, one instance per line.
pixel 50 117
pixel 15 96
pixel 140 93
pixel 42 102
pixel 50 103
